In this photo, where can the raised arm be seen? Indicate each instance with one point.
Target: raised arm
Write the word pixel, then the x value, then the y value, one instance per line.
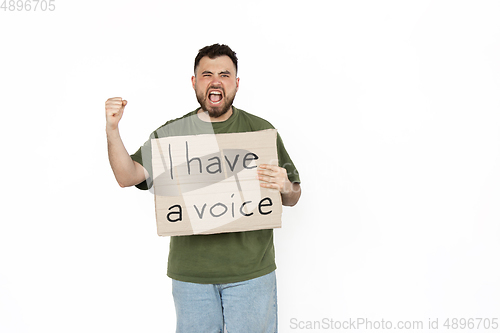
pixel 127 172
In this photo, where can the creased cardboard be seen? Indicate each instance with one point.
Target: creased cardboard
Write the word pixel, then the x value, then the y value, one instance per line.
pixel 206 184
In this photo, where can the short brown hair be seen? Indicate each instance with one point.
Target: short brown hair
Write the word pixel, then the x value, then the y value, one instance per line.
pixel 214 51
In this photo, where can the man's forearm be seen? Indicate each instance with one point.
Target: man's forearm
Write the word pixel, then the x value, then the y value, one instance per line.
pixel 126 171
pixel 291 197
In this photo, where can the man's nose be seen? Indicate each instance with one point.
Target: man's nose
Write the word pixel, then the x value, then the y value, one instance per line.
pixel 216 81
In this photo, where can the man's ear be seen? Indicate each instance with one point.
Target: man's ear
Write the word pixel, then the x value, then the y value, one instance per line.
pixel 193 80
pixel 237 83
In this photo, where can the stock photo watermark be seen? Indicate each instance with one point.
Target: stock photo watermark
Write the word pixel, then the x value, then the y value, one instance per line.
pixel 457 324
pixel 28 5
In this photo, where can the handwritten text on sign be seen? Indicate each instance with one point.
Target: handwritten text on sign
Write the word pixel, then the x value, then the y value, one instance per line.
pixel 208 183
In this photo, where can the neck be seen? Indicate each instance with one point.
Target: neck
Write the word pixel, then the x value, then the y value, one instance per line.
pixel 204 116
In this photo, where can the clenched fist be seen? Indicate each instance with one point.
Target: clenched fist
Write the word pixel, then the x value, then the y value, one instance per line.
pixel 114 112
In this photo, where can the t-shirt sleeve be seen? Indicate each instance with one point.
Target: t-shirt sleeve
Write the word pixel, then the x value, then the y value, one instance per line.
pixel 143 157
pixel 286 162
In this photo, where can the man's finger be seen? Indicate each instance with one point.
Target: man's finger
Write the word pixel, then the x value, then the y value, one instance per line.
pixel 265 172
pixel 270 185
pixel 269 169
pixel 267 179
pixel 268 166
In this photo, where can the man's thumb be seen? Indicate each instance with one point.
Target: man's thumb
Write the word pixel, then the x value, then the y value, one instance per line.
pixel 124 102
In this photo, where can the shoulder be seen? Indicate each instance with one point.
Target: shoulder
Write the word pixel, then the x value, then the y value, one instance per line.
pixel 168 129
pixel 256 122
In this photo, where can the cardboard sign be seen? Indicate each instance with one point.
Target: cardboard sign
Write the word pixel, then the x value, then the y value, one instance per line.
pixel 206 184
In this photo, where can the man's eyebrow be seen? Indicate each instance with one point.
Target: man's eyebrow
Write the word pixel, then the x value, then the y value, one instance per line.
pixel 220 73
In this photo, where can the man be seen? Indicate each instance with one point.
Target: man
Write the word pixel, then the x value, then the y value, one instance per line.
pixel 222 280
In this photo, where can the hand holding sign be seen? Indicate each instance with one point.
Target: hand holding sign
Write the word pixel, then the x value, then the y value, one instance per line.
pixel 273 176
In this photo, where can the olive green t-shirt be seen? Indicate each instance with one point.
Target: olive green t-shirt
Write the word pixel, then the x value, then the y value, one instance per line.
pixel 226 257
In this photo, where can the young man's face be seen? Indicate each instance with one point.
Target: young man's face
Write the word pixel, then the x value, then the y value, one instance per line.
pixel 215 84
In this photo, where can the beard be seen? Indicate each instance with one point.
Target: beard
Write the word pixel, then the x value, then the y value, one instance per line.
pixel 219 110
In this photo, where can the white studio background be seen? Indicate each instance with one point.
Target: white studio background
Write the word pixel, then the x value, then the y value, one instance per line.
pixel 389 109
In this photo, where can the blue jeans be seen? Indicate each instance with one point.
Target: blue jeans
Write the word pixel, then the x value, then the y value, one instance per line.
pixel 242 307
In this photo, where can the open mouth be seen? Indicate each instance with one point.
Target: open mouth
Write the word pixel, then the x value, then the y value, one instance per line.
pixel 215 97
